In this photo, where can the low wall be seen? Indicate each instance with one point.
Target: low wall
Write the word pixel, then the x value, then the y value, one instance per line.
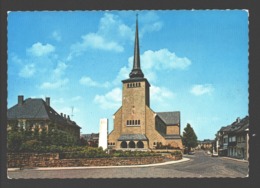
pixel 23 160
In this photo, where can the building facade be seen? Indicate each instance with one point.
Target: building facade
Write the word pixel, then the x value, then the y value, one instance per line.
pixel 38 113
pixel 206 144
pixel 136 125
pixel 233 140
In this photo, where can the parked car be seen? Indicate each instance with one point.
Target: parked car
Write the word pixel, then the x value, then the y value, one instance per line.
pixel 214 154
pixel 191 153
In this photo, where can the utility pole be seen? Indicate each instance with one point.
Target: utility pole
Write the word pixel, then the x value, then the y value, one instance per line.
pixel 72 108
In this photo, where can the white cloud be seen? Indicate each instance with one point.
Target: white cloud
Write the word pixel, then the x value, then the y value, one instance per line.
pixel 27 71
pixel 38 49
pixel 112 27
pixel 160 94
pixel 56 35
pixel 110 100
pixel 202 89
pixel 54 85
pixel 87 81
pixel 60 69
pixel 97 41
pixel 112 33
pixel 163 59
pixel 77 98
pixel 154 61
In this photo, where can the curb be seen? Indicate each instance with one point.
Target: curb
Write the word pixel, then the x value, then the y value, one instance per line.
pixel 98 167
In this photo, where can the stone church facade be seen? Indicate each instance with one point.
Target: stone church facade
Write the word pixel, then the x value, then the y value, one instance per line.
pixel 136 125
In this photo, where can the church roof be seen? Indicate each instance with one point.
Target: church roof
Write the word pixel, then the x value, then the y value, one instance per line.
pixel 128 137
pixel 172 136
pixel 170 118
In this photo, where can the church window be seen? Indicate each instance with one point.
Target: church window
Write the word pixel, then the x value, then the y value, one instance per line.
pixel 139 84
pixel 127 122
pixel 135 122
pixel 138 122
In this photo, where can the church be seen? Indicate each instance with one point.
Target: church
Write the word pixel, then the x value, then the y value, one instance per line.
pixel 136 125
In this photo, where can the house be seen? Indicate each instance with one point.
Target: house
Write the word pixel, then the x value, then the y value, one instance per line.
pixel 233 139
pixel 205 144
pixel 35 112
pixel 91 139
pixel 136 125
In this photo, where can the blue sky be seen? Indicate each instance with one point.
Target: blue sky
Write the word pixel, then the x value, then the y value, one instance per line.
pixel 196 63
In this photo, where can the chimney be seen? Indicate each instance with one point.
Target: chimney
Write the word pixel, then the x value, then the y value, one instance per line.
pixel 68 117
pixel 65 116
pixel 238 120
pixel 20 99
pixel 61 114
pixel 47 100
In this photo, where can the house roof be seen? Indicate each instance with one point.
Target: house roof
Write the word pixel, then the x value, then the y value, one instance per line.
pixel 36 109
pixel 237 126
pixel 170 118
pixel 89 137
pixel 128 137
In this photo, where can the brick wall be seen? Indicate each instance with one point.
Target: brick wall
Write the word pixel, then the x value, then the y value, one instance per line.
pixel 115 134
pixel 173 129
pixel 52 160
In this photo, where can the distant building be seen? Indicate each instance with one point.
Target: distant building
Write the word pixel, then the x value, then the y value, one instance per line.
pixel 136 125
pixel 205 144
pixel 39 113
pixel 91 139
pixel 103 132
pixel 233 139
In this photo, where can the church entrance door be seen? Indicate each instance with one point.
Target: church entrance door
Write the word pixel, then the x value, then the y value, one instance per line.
pixel 140 144
pixel 131 144
pixel 123 144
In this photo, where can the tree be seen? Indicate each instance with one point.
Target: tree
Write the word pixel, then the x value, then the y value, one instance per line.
pixel 189 138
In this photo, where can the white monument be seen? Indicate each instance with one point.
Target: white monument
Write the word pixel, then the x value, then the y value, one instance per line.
pixel 103 131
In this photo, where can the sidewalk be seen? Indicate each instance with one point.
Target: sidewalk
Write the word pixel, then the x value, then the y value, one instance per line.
pixel 96 167
pixel 234 159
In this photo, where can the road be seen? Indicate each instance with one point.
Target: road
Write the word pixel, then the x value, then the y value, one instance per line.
pixel 199 165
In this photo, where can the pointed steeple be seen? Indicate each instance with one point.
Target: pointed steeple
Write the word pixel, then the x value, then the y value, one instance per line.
pixel 136 71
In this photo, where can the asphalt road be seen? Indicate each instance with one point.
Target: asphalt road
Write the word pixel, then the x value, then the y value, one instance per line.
pixel 200 165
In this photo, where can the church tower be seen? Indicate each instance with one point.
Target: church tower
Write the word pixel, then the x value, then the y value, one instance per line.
pixel 136 125
pixel 135 95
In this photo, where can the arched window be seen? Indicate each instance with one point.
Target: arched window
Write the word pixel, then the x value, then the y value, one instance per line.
pixel 133 84
pixel 127 122
pixel 123 144
pixel 135 122
pixel 140 144
pixel 138 122
pixel 139 84
pixel 131 144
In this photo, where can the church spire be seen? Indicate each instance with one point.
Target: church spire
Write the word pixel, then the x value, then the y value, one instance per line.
pixel 136 71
